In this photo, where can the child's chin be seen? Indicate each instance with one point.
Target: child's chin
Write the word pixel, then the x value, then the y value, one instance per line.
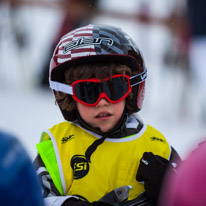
pixel 104 130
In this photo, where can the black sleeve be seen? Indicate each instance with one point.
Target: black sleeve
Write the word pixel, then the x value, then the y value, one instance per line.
pixel 46 182
pixel 174 157
pixel 174 160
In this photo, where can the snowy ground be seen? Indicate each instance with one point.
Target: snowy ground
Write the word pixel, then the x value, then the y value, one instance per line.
pixel 27 110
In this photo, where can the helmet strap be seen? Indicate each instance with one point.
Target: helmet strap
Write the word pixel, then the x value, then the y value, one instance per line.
pixel 111 133
pixel 117 129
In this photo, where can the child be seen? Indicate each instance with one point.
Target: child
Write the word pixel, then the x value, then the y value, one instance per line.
pixel 97 74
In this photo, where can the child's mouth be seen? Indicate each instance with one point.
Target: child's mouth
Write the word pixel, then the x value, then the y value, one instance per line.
pixel 103 115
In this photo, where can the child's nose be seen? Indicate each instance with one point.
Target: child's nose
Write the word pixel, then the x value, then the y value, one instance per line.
pixel 102 102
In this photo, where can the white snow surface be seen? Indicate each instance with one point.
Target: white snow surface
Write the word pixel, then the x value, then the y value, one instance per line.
pixel 26 110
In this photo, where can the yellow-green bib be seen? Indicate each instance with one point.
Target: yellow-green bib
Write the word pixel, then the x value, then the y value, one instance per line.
pixel 113 164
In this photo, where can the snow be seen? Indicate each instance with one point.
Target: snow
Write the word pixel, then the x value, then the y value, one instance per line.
pixel 26 110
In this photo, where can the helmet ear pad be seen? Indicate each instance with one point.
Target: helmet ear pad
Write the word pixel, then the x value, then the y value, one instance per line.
pixel 138 92
pixel 69 116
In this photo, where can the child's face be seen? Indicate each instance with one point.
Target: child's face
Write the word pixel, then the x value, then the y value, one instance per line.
pixel 104 115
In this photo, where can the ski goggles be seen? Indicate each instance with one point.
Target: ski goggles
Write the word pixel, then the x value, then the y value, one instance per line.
pixel 90 91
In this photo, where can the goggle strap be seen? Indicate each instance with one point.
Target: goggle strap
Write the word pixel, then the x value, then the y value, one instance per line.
pixel 138 78
pixel 59 87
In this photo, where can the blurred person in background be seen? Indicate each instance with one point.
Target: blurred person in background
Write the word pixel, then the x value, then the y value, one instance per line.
pixel 13 34
pixel 76 13
pixel 187 186
pixel 18 181
pixel 197 53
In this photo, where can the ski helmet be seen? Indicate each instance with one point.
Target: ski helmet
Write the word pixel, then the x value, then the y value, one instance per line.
pixel 98 43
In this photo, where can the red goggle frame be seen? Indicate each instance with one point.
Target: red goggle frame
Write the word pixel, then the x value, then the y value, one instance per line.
pixel 90 91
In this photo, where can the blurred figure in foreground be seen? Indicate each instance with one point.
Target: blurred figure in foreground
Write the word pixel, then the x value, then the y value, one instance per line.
pixel 187 187
pixel 18 181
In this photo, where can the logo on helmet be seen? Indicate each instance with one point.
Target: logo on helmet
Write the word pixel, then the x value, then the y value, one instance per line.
pixel 85 41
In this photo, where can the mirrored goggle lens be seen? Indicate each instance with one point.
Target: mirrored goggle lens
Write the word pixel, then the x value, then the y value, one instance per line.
pixel 89 91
